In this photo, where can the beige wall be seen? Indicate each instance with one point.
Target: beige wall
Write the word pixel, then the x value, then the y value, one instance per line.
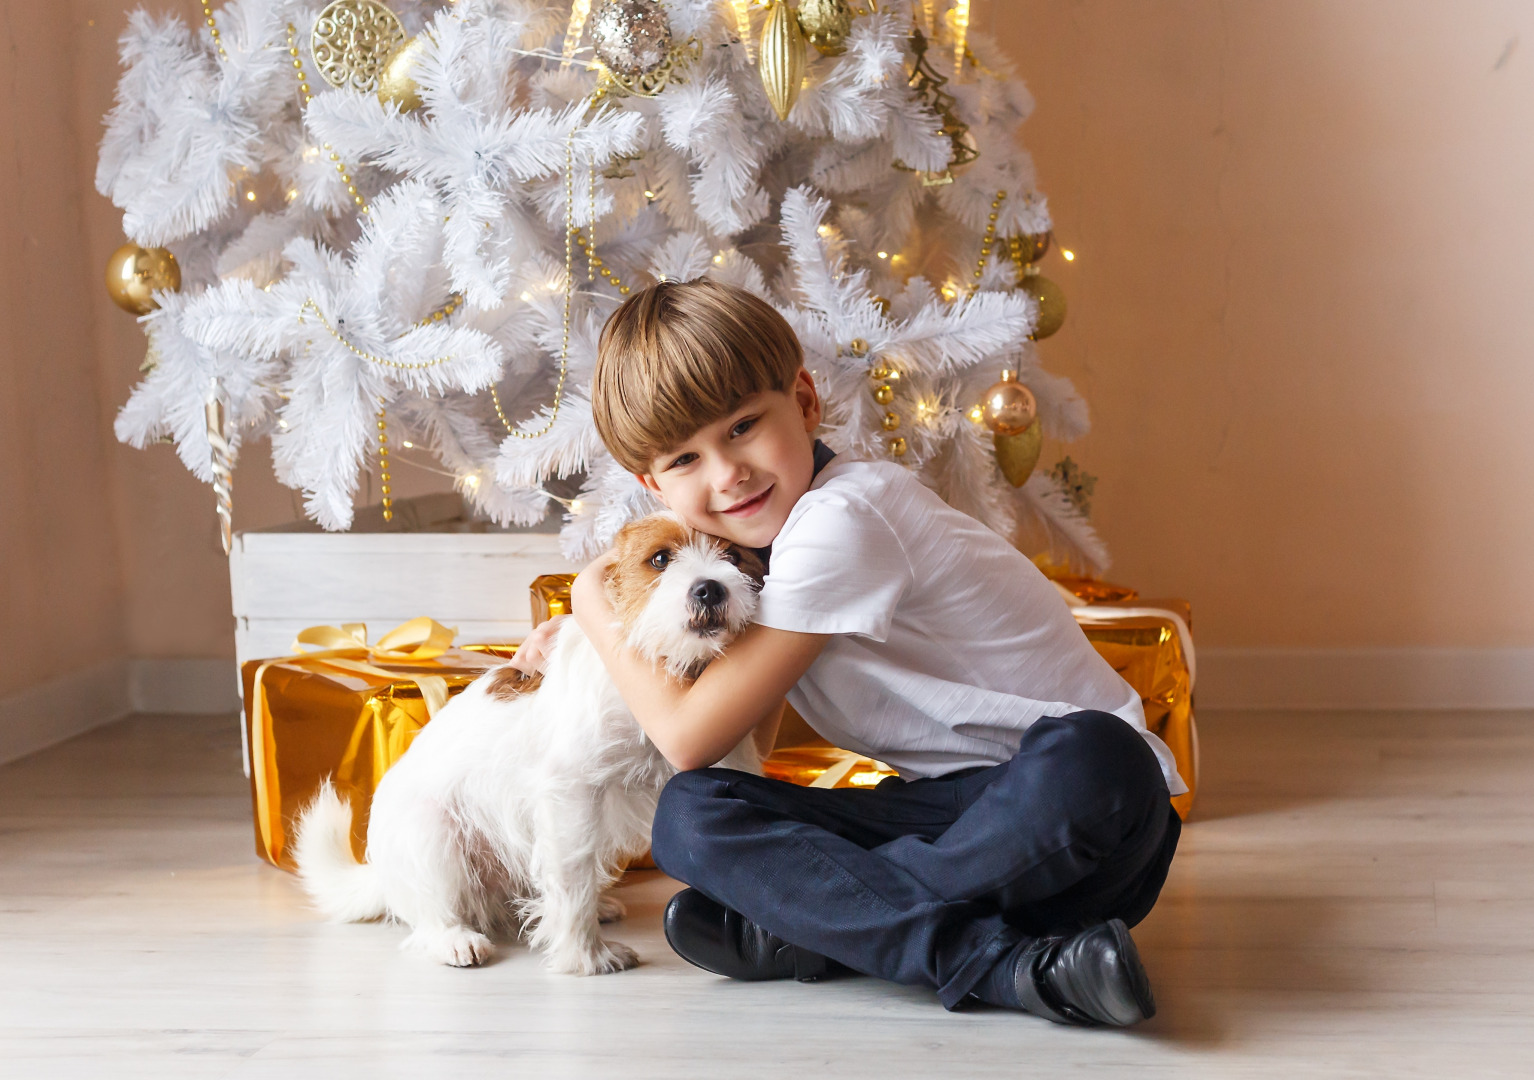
pixel 1301 307
pixel 1298 314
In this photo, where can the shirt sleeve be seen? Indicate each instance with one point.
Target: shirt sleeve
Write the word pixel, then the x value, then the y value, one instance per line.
pixel 837 568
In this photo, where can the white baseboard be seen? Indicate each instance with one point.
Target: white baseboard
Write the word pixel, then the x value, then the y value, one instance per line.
pixel 62 708
pixel 39 716
pixel 1366 678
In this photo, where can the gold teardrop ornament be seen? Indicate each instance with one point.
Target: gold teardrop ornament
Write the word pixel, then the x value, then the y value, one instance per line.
pixel 781 58
pixel 396 82
pixel 1017 455
pixel 135 274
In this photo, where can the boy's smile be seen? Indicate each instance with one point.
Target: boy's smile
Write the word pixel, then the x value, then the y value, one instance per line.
pixel 740 476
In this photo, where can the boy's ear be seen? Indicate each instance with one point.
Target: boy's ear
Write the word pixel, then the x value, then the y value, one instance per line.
pixel 647 482
pixel 808 399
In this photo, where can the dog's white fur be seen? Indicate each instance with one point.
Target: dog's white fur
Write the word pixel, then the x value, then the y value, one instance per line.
pixel 515 814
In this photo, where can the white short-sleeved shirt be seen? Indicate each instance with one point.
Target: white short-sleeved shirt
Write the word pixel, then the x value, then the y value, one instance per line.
pixel 947 642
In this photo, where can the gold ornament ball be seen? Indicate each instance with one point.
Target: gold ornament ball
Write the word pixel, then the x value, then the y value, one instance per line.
pixel 1051 301
pixel 826 24
pixel 1017 455
pixel 351 41
pixel 891 421
pixel 858 347
pixel 135 274
pixel 1034 246
pixel 884 393
pixel 395 81
pixel 898 447
pixel 780 60
pixel 1009 407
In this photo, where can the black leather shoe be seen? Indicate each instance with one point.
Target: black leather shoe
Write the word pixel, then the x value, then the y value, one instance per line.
pixel 714 938
pixel 1091 978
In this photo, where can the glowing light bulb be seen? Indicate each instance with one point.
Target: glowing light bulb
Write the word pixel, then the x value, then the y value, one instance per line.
pixel 526 297
pixel 649 194
pixel 408 445
pixel 719 258
pixel 824 230
pixel 977 413
pixel 575 506
pixel 1068 254
pixel 471 481
pixel 884 254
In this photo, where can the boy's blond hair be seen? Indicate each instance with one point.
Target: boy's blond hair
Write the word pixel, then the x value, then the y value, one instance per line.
pixel 678 356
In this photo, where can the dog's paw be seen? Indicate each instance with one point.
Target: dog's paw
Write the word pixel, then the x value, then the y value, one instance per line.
pixel 457 947
pixel 605 959
pixel 610 909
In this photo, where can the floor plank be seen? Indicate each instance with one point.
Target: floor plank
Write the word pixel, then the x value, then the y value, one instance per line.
pixel 1354 897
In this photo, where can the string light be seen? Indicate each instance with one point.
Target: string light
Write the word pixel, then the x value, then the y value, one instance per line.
pixel 1067 254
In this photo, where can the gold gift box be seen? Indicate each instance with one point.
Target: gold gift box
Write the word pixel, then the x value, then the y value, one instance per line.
pixel 318 716
pixel 1145 649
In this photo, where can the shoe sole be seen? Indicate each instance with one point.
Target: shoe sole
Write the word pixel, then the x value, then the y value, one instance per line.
pixel 1134 971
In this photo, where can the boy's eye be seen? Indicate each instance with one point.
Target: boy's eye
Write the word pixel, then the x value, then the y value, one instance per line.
pixel 744 426
pixel 682 459
pixel 661 559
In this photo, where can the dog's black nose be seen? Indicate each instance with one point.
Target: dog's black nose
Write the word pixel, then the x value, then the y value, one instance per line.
pixel 707 592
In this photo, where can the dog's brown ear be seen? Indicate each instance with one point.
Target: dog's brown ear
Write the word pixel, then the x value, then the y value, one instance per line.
pixel 750 563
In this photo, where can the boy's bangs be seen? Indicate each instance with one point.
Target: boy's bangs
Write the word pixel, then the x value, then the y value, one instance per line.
pixel 677 357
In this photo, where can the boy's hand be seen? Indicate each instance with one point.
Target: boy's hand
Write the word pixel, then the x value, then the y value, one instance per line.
pixel 533 653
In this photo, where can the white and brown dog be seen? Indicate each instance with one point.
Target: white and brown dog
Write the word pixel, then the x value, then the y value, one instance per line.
pixel 520 803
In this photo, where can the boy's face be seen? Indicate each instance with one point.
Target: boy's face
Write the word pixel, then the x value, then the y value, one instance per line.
pixel 739 477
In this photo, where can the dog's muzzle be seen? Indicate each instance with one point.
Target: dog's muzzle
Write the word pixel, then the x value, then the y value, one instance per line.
pixel 708 604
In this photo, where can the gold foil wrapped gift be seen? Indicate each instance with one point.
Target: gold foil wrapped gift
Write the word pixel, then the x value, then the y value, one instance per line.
pixel 342 708
pixel 1148 642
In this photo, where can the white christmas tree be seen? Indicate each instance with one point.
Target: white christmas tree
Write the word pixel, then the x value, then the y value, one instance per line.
pixel 410 226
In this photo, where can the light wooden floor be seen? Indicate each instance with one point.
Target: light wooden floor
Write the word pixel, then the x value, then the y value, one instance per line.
pixel 1355 897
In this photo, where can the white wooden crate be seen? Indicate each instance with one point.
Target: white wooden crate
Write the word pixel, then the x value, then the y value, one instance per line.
pixel 282 582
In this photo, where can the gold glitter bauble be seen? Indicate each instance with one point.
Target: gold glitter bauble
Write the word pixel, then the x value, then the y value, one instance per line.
pixel 781 58
pixel 396 82
pixel 351 41
pixel 1009 407
pixel 135 274
pixel 1051 300
pixel 826 24
pixel 1031 247
pixel 632 37
pixel 1016 455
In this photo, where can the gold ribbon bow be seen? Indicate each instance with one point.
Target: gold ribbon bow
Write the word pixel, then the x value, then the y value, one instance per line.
pixel 345 648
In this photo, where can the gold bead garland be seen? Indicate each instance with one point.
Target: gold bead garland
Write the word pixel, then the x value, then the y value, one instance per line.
pixel 594 262
pixel 990 235
pixel 310 305
pixel 384 488
pixel 303 88
pixel 207 12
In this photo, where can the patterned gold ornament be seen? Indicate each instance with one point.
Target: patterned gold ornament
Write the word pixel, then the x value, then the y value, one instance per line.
pixel 1009 407
pixel 1017 455
pixel 396 82
pixel 1051 300
pixel 352 39
pixel 1029 247
pixel 632 37
pixel 826 24
pixel 928 85
pixel 781 59
pixel 135 274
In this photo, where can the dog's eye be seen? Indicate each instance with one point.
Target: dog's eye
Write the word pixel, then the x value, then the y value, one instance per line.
pixel 661 559
pixel 732 556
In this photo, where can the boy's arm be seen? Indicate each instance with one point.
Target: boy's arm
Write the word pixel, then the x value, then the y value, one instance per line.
pixel 695 725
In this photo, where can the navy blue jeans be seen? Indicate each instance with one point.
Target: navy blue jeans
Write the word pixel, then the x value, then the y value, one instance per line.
pixel 930 882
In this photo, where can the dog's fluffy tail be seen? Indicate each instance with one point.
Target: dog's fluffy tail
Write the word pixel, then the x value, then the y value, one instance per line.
pixel 340 886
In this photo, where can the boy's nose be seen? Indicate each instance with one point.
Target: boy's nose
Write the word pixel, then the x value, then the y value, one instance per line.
pixel 707 592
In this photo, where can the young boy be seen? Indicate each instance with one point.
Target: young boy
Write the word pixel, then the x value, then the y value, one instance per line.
pixel 1031 820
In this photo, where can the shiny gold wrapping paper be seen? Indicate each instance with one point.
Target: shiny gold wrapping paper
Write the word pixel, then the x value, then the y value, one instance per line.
pixel 1146 650
pixel 319 720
